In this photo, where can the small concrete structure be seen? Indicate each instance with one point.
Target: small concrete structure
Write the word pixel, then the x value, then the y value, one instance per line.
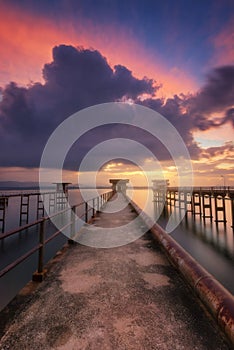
pixel 62 187
pixel 119 185
pixel 61 195
pixel 160 191
pixel 160 184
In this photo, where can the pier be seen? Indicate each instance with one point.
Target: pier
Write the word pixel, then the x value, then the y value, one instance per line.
pixel 197 200
pixel 148 294
pixel 56 201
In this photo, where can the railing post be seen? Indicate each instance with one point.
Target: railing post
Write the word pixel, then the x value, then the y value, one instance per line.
pixel 73 227
pixel 41 250
pixel 93 207
pixel 86 211
pixel 40 274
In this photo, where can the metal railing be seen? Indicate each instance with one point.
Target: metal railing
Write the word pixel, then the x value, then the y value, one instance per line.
pixel 202 188
pixel 90 208
pixel 214 190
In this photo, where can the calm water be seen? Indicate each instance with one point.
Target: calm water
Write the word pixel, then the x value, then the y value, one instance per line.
pixel 209 244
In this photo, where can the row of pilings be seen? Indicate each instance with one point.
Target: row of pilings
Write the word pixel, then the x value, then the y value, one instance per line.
pixel 207 203
pixel 55 200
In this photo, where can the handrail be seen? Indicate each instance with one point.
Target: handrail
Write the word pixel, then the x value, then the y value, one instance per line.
pixel 228 191
pixel 19 194
pixel 202 188
pixel 100 201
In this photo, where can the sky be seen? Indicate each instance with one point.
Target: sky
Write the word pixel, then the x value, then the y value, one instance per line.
pixel 175 57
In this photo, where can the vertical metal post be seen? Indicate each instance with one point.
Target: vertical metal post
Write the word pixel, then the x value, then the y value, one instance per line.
pixel 3 204
pixel 73 220
pixel 232 206
pixel 24 208
pixel 86 211
pixel 216 208
pixel 93 207
pixel 224 209
pixel 98 205
pixel 40 206
pixel 42 246
pixel 221 209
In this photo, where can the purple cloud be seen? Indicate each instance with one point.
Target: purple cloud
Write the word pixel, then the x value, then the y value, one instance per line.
pixel 217 95
pixel 77 78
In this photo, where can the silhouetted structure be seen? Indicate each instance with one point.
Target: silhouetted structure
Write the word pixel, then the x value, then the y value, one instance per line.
pixel 119 185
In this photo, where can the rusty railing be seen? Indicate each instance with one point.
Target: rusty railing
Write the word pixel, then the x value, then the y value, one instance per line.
pixel 91 207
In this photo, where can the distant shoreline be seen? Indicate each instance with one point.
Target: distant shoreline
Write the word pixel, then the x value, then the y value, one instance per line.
pixel 37 188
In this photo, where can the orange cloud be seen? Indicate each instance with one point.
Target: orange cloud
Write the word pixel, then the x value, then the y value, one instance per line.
pixel 27 42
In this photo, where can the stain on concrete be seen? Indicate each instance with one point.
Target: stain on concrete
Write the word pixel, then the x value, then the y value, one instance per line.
pixel 58 335
pixel 155 280
pixel 149 258
pixel 75 283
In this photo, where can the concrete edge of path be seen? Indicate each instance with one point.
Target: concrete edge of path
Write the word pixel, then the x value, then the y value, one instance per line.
pixel 218 300
pixel 24 295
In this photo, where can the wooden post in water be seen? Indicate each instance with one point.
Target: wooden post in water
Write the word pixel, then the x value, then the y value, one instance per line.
pixel 232 206
pixel 206 204
pixel 3 204
pixel 40 206
pixel 24 208
pixel 220 208
pixel 196 203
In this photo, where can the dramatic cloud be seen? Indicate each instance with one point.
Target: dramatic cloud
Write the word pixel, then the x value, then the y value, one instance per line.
pixel 172 109
pixel 75 79
pixel 216 96
pixel 89 79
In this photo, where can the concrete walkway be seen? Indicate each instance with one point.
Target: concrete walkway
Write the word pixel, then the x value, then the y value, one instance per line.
pixel 127 297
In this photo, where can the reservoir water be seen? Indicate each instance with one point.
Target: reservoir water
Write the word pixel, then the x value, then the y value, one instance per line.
pixel 210 244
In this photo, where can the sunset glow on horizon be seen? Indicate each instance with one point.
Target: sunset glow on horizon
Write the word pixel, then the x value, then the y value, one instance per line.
pixel 57 59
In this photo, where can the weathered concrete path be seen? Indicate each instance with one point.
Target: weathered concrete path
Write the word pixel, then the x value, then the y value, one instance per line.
pixel 128 297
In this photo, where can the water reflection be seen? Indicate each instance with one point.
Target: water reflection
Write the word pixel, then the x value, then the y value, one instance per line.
pixel 210 243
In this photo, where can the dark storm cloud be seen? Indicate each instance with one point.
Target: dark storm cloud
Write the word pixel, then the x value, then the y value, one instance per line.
pixel 191 113
pixel 217 95
pixel 83 78
pixel 229 116
pixel 172 110
pixel 218 92
pixel 75 79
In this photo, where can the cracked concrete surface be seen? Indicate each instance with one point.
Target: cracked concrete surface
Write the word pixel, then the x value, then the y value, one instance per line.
pixel 127 297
